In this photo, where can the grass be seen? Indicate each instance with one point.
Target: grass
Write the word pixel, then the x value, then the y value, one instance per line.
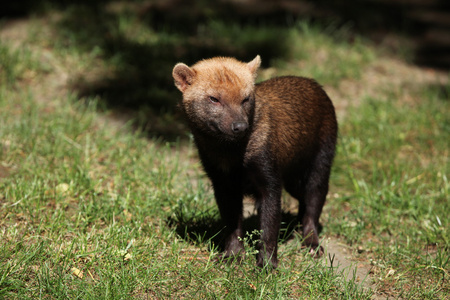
pixel 98 208
pixel 397 206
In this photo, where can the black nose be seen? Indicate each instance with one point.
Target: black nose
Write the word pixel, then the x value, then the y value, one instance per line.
pixel 238 127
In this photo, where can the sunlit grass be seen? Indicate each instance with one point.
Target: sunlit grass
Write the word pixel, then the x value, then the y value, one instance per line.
pixel 95 208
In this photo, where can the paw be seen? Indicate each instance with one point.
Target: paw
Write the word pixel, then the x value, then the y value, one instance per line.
pixel 316 252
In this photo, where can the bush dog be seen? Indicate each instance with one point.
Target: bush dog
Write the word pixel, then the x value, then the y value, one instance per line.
pixel 255 139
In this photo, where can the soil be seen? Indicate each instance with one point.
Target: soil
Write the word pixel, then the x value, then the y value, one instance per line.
pixel 337 255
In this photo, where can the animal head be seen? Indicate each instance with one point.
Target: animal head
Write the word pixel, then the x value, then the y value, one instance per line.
pixel 218 95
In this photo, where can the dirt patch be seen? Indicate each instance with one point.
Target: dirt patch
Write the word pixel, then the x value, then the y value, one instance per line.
pixel 4 171
pixel 386 74
pixel 341 257
pixel 337 255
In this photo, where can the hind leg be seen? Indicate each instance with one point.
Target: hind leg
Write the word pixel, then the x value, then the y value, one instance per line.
pixel 311 188
pixel 315 193
pixel 313 202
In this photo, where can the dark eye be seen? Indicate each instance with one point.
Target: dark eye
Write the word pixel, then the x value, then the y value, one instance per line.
pixel 213 99
pixel 246 99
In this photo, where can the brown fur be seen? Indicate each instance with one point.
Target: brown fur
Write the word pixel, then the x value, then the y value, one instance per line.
pixel 254 139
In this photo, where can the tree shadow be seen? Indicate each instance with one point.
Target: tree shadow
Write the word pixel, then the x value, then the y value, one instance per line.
pixel 140 42
pixel 423 25
pixel 440 90
pixel 139 60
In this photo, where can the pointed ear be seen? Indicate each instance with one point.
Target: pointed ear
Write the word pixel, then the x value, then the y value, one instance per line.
pixel 183 76
pixel 254 65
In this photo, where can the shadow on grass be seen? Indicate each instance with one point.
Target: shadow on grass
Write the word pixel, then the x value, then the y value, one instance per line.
pixel 208 229
pixel 140 42
pixel 440 90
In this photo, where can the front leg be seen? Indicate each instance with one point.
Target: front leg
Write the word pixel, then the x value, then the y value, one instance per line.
pixel 229 196
pixel 267 186
pixel 269 211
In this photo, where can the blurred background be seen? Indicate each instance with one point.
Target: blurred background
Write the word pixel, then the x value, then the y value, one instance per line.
pixel 138 42
pixel 424 23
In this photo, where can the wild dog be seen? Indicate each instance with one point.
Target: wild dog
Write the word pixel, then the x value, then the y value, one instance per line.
pixel 255 139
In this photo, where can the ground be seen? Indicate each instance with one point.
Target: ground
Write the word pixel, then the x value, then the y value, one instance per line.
pixel 385 73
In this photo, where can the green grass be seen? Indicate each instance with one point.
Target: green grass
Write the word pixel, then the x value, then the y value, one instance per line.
pixel 325 54
pixel 95 208
pixel 18 64
pixel 395 157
